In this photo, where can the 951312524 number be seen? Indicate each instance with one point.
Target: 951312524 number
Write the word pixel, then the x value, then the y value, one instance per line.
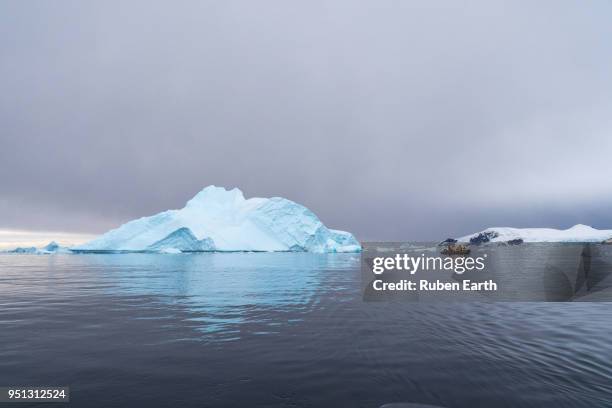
pixel 40 394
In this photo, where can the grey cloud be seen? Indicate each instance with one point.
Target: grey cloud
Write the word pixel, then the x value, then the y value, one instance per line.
pixel 392 119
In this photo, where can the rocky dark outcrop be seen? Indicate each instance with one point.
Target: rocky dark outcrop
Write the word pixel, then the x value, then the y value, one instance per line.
pixel 448 241
pixel 483 237
pixel 517 241
pixel 607 241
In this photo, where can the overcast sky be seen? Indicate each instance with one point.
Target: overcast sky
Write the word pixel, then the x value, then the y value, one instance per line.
pixel 390 119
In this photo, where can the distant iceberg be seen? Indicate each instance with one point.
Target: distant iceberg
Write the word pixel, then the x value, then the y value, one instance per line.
pixel 577 233
pixel 217 219
pixel 23 250
pixel 51 248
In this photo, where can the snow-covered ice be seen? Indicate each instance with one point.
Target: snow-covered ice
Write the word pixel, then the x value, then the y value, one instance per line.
pixel 577 233
pixel 223 220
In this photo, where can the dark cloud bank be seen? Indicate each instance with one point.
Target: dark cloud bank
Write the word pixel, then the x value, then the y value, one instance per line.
pixel 392 119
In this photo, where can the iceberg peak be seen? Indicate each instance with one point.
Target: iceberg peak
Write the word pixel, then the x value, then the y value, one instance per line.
pixel 51 246
pixel 216 195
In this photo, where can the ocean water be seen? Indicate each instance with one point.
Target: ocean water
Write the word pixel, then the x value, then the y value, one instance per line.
pixel 283 330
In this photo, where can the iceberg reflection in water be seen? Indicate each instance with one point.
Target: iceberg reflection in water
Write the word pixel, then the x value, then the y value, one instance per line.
pixel 218 289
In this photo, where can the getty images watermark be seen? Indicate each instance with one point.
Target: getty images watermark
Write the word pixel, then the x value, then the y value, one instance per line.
pixel 413 265
pixel 549 272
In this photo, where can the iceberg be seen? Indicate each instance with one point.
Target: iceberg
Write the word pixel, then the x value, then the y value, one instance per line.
pixel 578 233
pixel 54 248
pixel 223 220
pixel 51 248
pixel 23 250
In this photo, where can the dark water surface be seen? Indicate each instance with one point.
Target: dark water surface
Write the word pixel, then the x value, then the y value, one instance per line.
pixel 286 330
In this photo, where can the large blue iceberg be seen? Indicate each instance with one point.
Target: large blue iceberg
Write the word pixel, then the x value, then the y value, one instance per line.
pixel 217 219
